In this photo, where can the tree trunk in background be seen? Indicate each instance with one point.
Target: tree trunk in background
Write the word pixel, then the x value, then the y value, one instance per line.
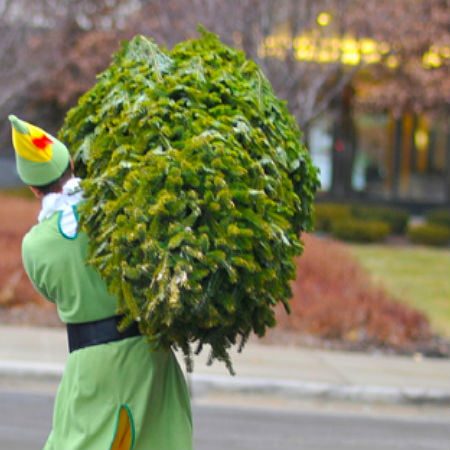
pixel 448 159
pixel 398 137
pixel 344 147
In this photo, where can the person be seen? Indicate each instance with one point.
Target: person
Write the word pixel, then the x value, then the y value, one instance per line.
pixel 116 392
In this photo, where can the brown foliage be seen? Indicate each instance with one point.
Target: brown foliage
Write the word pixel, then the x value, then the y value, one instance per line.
pixel 334 298
pixel 16 217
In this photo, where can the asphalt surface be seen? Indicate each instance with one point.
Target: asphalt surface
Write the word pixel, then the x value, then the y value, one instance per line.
pixel 26 419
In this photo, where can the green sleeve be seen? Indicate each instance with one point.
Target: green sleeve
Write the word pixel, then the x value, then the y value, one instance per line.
pixel 29 264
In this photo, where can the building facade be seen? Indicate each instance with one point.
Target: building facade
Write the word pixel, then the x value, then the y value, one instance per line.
pixel 382 159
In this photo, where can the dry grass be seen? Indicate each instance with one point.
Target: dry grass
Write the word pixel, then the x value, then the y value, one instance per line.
pixel 16 216
pixel 19 302
pixel 335 299
pixel 419 275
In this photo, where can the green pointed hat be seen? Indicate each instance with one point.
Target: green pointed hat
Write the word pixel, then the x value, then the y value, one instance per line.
pixel 40 158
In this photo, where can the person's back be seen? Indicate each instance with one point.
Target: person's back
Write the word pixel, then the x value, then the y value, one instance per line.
pixel 115 392
pixel 56 263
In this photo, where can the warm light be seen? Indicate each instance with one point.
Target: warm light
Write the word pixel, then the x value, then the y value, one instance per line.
pixel 301 42
pixel 431 59
pixel 421 140
pixel 368 46
pixel 304 48
pixel 324 19
pixel 351 58
pixel 392 62
pixel 305 54
pixel 313 47
pixel 349 44
pixel 350 51
pixel 275 46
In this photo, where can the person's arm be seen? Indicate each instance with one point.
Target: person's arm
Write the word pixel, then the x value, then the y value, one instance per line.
pixel 29 264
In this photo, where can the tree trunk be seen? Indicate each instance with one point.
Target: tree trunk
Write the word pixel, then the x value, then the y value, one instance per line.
pixel 344 148
pixel 448 162
pixel 398 137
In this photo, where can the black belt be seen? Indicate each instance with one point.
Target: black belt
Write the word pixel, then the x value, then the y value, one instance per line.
pixel 82 335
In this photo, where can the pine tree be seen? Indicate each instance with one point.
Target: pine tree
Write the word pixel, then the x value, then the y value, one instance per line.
pixel 198 188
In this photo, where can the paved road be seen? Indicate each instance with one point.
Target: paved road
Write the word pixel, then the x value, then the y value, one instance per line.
pixel 25 420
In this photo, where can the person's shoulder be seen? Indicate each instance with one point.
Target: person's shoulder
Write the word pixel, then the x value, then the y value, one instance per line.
pixel 29 248
pixel 29 241
pixel 29 236
pixel 37 235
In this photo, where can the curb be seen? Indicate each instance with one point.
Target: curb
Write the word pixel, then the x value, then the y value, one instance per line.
pixel 31 370
pixel 201 384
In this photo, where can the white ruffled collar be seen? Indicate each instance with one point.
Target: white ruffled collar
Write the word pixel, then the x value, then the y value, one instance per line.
pixel 63 201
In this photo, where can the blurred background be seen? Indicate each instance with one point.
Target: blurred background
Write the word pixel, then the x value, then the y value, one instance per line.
pixel 367 80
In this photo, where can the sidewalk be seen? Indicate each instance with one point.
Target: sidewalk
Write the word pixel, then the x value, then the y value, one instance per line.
pixel 40 353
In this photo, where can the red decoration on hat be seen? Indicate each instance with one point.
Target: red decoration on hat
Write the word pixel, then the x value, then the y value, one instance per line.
pixel 42 141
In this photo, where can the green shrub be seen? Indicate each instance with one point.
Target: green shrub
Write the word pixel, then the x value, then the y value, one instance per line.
pixel 360 230
pixel 197 187
pixel 325 214
pixel 439 217
pixel 430 234
pixel 396 218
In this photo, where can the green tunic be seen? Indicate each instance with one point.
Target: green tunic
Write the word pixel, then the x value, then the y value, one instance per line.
pixel 101 380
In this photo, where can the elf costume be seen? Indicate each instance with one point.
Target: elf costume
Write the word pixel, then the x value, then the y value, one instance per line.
pixel 115 394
